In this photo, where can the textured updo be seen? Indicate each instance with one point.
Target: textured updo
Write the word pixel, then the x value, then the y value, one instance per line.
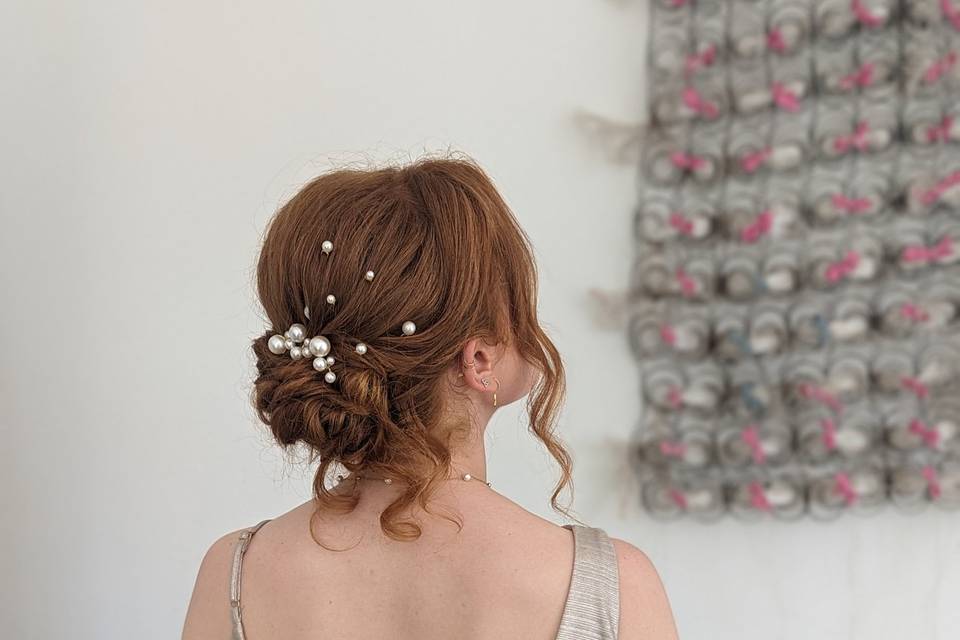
pixel 447 254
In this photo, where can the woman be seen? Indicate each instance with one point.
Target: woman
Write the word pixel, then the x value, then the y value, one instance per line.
pixel 403 304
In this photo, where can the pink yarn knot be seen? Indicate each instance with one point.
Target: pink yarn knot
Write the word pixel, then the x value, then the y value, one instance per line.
pixel 936 191
pixel 675 397
pixel 924 254
pixel 700 60
pixel 914 312
pixel 668 335
pixel 681 223
pixel 851 205
pixel 689 161
pixel 694 100
pixel 933 481
pixel 784 98
pixel 856 140
pixel 752 161
pixel 758 228
pixel 862 77
pixel 929 435
pixel 673 449
pixel 940 68
pixel 863 15
pixel 940 132
pixel 950 13
pixel 758 498
pixel 821 395
pixel 678 498
pixel 751 436
pixel 840 269
pixel 829 433
pixel 687 284
pixel 775 41
pixel 916 386
pixel 843 486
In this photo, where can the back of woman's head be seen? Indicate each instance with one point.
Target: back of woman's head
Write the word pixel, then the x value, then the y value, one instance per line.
pixel 446 254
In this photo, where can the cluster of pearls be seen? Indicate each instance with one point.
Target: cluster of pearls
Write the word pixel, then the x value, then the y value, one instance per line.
pixel 295 338
pixel 300 346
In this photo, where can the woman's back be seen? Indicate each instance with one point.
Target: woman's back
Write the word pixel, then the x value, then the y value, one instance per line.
pixel 507 574
pixel 402 304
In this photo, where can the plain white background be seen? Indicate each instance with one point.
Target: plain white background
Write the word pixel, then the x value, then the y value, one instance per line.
pixel 145 145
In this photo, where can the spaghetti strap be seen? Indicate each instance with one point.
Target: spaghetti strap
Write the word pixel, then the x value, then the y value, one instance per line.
pixel 235 572
pixel 592 609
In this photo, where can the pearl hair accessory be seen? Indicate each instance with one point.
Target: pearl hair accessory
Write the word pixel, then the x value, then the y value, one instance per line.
pixel 295 338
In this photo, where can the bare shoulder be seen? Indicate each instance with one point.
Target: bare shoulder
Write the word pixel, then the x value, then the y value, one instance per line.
pixel 645 612
pixel 208 615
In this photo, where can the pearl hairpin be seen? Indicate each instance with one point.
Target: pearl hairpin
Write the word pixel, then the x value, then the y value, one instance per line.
pixel 295 341
pixel 295 338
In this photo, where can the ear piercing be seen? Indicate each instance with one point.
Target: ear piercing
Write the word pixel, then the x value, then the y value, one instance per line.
pixel 486 383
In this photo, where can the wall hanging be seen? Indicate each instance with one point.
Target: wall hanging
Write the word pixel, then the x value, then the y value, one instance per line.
pixel 795 298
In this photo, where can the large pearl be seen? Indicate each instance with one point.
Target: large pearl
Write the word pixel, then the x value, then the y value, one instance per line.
pixel 361 348
pixel 331 299
pixel 277 344
pixel 297 332
pixel 319 364
pixel 408 328
pixel 319 346
pixel 327 246
pixel 369 276
pixel 330 376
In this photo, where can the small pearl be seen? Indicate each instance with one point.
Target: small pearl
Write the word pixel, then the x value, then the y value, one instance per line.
pixel 330 376
pixel 327 246
pixel 295 353
pixel 319 346
pixel 408 328
pixel 331 299
pixel 369 276
pixel 361 348
pixel 467 476
pixel 388 481
pixel 319 364
pixel 288 343
pixel 277 344
pixel 330 360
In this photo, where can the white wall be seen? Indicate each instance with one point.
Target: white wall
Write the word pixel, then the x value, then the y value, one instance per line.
pixel 144 147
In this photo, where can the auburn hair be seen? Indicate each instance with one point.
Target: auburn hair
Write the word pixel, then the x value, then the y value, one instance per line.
pixel 449 255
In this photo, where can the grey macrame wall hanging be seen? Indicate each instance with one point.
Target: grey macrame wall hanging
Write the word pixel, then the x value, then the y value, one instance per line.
pixel 795 299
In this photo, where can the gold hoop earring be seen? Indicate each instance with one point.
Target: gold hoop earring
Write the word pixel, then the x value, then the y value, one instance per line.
pixel 495 390
pixel 469 365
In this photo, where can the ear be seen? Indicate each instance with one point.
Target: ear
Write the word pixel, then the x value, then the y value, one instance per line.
pixel 482 356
